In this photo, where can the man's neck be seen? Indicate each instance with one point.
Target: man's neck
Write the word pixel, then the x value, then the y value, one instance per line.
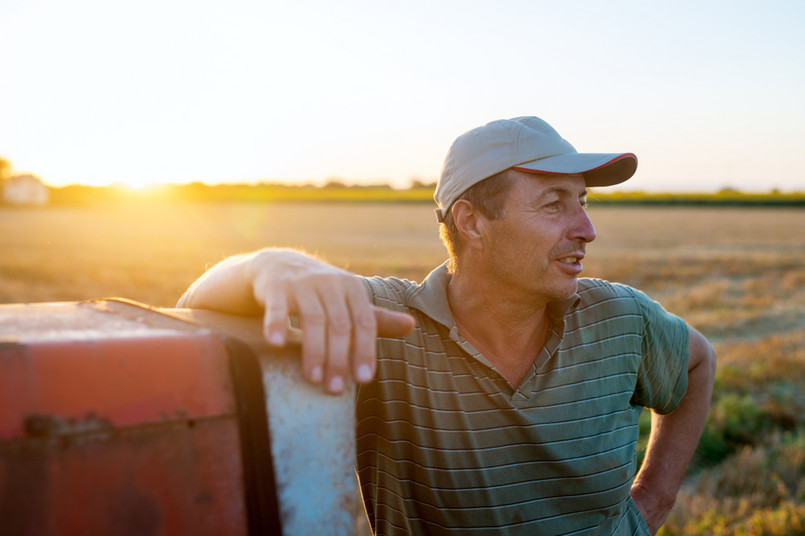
pixel 508 332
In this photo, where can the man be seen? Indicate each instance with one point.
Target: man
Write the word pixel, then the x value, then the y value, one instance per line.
pixel 503 393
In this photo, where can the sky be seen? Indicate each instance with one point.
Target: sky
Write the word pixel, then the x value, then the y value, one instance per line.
pixel 708 94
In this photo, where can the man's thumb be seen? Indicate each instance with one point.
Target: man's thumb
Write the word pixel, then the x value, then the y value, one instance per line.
pixel 393 323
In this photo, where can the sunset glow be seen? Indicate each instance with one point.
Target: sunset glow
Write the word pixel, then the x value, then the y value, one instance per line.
pixel 707 95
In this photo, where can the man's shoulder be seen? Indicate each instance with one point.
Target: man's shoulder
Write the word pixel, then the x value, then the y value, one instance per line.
pixel 592 288
pixel 389 290
pixel 428 297
pixel 605 298
pixel 388 284
pixel 615 296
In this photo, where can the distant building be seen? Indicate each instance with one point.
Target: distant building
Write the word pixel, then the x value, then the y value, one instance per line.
pixel 25 190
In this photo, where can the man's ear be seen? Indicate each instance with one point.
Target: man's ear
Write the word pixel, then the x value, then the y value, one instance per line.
pixel 469 222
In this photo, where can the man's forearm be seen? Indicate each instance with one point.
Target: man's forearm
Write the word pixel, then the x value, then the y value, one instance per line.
pixel 224 287
pixel 339 323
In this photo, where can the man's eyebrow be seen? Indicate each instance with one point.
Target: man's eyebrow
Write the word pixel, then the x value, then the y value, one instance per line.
pixel 561 190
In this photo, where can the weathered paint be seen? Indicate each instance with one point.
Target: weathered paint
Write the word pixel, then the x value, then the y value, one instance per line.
pixel 162 479
pixel 113 425
pixel 313 443
pixel 313 436
pixel 119 419
pixel 130 379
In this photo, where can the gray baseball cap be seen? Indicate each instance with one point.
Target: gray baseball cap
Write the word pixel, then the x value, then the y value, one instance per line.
pixel 526 144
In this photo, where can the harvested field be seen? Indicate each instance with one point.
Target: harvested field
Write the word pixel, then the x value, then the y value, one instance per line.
pixel 737 274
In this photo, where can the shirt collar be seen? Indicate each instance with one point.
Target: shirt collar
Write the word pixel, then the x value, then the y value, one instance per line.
pixel 430 297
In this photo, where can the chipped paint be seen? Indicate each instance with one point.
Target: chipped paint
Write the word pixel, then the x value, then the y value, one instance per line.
pixel 313 444
pixel 39 425
pixel 117 418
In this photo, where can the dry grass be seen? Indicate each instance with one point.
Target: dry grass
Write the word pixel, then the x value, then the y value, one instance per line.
pixel 153 254
pixel 760 490
pixel 694 260
pixel 738 275
pixel 729 272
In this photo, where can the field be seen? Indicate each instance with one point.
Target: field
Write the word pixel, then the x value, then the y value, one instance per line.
pixel 737 274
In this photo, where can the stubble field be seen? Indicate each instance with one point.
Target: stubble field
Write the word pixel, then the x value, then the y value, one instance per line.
pixel 738 275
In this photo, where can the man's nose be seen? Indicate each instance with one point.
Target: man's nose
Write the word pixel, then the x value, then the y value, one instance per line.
pixel 583 228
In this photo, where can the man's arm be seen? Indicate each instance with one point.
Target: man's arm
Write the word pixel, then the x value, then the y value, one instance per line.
pixel 339 323
pixel 674 438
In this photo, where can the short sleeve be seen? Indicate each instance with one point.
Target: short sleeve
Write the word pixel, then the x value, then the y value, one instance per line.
pixel 663 373
pixel 387 292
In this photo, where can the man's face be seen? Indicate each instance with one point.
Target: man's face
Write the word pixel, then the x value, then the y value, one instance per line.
pixel 534 250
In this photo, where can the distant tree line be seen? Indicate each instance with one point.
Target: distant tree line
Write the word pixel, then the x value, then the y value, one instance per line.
pixel 418 192
pixel 338 190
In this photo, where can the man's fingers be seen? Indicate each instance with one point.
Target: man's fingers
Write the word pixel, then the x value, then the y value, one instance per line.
pixel 370 322
pixel 275 320
pixel 339 334
pixel 339 325
pixel 364 336
pixel 313 321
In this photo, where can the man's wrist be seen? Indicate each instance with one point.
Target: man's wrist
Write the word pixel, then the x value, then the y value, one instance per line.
pixel 654 504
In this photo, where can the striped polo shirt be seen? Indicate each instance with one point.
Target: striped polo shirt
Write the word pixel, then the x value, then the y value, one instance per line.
pixel 446 445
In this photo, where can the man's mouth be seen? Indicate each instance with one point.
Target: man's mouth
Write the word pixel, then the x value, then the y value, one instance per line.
pixel 571 262
pixel 571 257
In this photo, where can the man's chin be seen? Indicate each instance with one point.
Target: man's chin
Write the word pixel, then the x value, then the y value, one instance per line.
pixel 567 290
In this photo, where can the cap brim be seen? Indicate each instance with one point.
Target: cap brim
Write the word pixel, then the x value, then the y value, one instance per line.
pixel 599 169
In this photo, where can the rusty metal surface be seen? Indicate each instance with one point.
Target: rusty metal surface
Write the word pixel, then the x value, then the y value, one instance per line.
pixel 313 435
pixel 62 321
pixel 116 417
pixel 125 381
pixel 163 479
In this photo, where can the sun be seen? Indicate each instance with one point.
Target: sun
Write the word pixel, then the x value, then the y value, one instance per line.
pixel 135 184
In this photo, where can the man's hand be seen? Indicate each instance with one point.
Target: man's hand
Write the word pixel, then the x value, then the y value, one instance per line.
pixel 339 323
pixel 652 508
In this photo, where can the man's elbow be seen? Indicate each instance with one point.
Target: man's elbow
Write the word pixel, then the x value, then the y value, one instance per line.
pixel 702 359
